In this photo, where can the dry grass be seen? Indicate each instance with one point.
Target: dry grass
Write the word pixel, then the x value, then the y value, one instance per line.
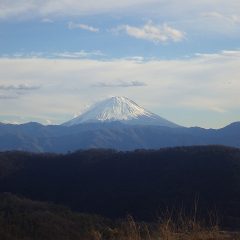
pixel 172 225
pixel 180 228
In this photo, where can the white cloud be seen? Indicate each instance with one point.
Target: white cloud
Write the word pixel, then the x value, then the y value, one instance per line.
pixel 171 8
pixel 232 18
pixel 120 83
pixel 207 84
pixel 79 54
pixel 10 122
pixel 151 32
pixel 47 20
pixel 46 8
pixel 193 17
pixel 8 96
pixel 65 54
pixel 16 91
pixel 23 86
pixel 48 122
pixel 72 25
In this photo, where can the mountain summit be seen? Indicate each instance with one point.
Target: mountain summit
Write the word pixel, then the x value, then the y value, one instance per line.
pixel 120 109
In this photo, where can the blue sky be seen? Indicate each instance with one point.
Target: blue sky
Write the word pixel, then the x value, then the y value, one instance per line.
pixel 179 59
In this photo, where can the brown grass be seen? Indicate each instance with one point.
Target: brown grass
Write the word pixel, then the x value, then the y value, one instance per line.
pixel 180 228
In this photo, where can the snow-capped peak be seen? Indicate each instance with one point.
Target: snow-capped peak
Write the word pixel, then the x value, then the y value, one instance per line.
pixel 119 109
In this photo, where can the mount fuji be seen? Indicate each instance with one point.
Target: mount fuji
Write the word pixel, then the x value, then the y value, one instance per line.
pixel 120 109
pixel 115 123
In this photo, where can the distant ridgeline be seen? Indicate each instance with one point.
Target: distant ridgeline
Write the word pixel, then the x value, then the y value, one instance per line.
pixel 35 137
pixel 115 123
pixel 142 183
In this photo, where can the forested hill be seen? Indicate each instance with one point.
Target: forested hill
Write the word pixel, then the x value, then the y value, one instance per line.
pixel 141 183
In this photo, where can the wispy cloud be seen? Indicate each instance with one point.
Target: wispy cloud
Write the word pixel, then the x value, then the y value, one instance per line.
pixel 151 32
pixel 15 91
pixel 79 54
pixel 7 97
pixel 20 87
pixel 47 20
pixel 120 83
pixel 72 25
pixel 46 8
pixel 24 55
pixel 62 55
pixel 10 122
pixel 184 13
pixel 231 18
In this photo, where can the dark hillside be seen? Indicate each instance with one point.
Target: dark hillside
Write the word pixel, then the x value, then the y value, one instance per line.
pixel 142 183
pixel 24 219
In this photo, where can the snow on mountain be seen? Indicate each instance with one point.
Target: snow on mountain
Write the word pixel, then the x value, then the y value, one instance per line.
pixel 119 109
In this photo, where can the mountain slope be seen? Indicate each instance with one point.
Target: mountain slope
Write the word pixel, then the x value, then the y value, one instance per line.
pixel 120 109
pixel 115 135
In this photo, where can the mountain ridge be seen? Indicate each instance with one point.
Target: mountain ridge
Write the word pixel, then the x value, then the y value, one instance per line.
pixel 114 135
pixel 115 123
